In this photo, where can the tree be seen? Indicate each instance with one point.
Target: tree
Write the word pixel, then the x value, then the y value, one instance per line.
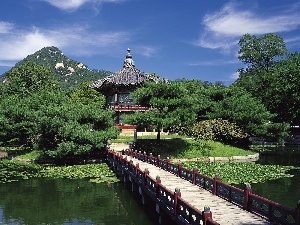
pixel 238 106
pixel 17 121
pixel 170 106
pixel 87 95
pixel 259 54
pixel 282 91
pixel 246 111
pixel 27 78
pixel 49 121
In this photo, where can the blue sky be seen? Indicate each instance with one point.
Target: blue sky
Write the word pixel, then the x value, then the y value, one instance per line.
pixel 192 39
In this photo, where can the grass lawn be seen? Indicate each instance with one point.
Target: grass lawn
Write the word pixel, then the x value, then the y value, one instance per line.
pixel 182 147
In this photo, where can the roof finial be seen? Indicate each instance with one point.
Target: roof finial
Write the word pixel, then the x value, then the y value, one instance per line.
pixel 128 62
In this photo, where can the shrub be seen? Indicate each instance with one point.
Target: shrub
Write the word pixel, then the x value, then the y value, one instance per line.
pixel 217 130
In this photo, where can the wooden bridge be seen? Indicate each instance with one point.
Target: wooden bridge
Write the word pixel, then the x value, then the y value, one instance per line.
pixel 188 197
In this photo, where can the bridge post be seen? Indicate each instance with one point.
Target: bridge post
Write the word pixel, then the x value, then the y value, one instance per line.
pixel 146 172
pixel 177 194
pixel 215 188
pixel 157 182
pixel 167 163
pixel 247 191
pixel 298 213
pixel 206 214
pixel 151 156
pixel 137 166
pixel 195 171
pixel 135 154
pixel 179 166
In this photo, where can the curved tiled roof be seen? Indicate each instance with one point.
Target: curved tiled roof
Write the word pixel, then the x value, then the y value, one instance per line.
pixel 126 78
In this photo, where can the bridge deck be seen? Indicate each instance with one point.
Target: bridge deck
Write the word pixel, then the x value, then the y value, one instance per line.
pixel 223 212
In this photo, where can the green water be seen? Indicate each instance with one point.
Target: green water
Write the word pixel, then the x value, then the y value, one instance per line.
pixel 285 190
pixel 62 201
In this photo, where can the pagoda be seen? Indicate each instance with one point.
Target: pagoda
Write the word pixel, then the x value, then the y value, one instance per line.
pixel 118 86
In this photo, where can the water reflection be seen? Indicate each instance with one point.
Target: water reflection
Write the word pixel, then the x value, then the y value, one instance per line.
pixel 285 190
pixel 62 201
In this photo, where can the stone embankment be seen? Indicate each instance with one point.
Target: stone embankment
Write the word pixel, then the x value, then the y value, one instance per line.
pixel 3 154
pixel 247 158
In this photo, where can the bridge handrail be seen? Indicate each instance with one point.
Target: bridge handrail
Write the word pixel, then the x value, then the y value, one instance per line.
pixel 230 193
pixel 193 215
pixel 271 210
pixel 172 200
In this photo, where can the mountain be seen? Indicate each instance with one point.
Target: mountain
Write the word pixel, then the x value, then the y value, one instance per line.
pixel 69 72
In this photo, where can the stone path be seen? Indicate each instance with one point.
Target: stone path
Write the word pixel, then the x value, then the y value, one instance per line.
pixel 223 211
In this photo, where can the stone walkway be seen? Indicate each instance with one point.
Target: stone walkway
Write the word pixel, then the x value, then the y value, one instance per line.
pixel 223 212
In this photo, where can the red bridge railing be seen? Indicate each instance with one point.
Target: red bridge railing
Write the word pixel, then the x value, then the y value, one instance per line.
pixel 266 208
pixel 172 201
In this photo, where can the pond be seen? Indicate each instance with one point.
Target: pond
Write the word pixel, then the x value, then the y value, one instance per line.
pixel 64 201
pixel 285 190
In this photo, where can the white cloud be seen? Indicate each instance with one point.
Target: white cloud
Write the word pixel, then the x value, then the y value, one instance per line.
pixel 5 27
pixel 72 5
pixel 235 22
pixel 234 76
pixel 213 63
pixel 74 40
pixel 222 29
pixel 146 51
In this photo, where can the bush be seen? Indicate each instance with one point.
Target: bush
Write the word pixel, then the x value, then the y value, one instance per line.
pixel 217 130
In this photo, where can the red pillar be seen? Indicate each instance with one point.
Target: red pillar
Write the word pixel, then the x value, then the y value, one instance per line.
pixel 247 191
pixel 137 166
pixel 167 163
pixel 151 156
pixel 179 166
pixel 158 159
pixel 206 214
pixel 216 179
pixel 177 194
pixel 146 172
pixel 158 181
pixel 195 171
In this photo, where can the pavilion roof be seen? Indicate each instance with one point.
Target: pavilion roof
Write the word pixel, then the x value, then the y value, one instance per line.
pixel 126 79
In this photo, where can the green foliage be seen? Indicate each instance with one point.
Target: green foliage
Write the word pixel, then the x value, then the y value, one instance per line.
pixel 87 95
pixel 28 78
pixel 259 53
pixel 271 75
pixel 238 106
pixel 51 122
pixel 281 89
pixel 177 148
pixel 170 103
pixel 17 121
pixel 217 130
pixel 239 173
pixel 13 171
